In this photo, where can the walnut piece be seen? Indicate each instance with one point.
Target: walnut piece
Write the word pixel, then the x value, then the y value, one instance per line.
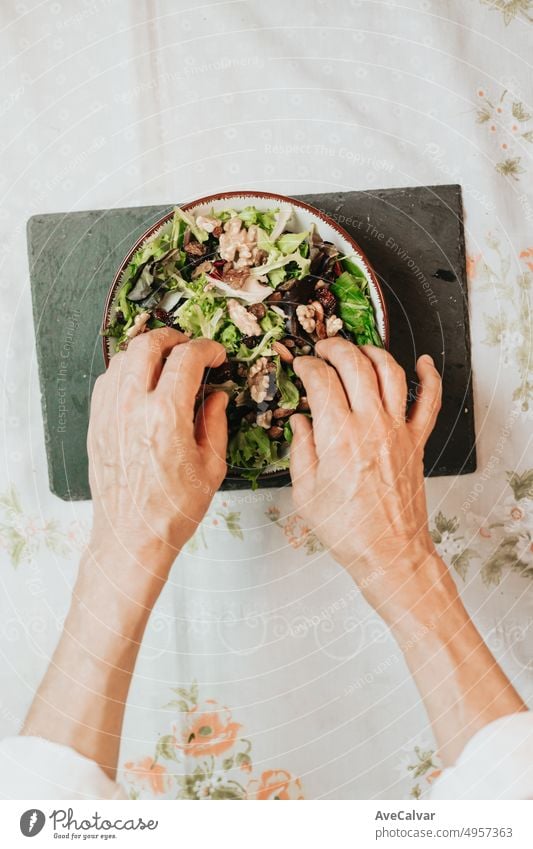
pixel 238 244
pixel 206 223
pixel 306 317
pixel 205 267
pixel 264 419
pixel 139 324
pixel 333 325
pixel 259 381
pixel 235 277
pixel 245 321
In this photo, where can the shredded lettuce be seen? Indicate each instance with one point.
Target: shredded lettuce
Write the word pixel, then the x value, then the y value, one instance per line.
pixel 248 355
pixel 251 215
pixel 277 276
pixel 281 262
pixel 251 452
pixel 230 336
pixel 179 225
pixel 201 234
pixel 354 270
pixel 289 242
pixel 290 397
pixel 201 315
pixel 355 309
pixel 273 321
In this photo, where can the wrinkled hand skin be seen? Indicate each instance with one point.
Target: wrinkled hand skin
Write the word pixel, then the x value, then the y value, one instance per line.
pixel 357 470
pixel 153 466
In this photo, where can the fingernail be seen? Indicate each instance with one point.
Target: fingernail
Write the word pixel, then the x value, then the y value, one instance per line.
pixel 428 359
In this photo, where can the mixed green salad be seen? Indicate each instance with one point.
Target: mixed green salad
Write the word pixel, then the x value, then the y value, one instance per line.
pixel 267 293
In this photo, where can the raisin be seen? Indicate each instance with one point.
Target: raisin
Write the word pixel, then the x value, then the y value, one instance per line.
pixel 219 374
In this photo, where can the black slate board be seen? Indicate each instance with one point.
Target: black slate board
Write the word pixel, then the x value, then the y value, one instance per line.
pixel 414 238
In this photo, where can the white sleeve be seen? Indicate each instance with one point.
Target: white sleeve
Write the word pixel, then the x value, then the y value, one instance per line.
pixel 34 768
pixel 497 763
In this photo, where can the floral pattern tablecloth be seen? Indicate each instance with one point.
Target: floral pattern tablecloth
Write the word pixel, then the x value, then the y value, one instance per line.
pixel 263 673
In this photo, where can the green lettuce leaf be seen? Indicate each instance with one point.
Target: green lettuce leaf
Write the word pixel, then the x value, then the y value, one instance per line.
pixel 355 309
pixel 230 336
pixel 201 315
pixel 289 242
pixel 250 451
pixel 251 215
pixel 201 234
pixel 290 397
pixel 273 321
pixel 281 262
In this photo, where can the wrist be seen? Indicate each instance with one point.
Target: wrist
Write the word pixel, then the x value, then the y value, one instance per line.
pixel 415 590
pixel 128 578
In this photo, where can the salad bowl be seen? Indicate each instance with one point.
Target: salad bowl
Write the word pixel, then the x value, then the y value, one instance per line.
pixel 266 276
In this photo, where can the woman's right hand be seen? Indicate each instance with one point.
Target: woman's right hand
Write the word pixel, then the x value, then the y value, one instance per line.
pixel 357 469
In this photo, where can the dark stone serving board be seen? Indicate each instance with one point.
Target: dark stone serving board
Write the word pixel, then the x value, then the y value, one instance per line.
pixel 414 238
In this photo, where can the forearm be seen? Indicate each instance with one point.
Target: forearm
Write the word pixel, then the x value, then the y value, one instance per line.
pixel 460 682
pixel 82 697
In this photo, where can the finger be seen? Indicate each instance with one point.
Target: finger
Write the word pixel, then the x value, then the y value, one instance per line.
pixel 211 431
pixel 391 380
pixel 327 399
pixel 146 353
pixel 183 371
pixel 424 412
pixel 355 371
pixel 303 459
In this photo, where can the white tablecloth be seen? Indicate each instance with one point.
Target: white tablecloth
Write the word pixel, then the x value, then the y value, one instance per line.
pixel 109 103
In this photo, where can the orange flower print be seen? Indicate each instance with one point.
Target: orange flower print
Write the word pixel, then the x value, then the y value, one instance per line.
pixel 207 730
pixel 148 773
pixel 471 263
pixel 527 256
pixel 275 784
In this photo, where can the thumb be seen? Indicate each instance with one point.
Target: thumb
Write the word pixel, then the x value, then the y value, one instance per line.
pixel 211 429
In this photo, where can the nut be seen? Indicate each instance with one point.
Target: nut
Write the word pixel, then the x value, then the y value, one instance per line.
pixel 139 325
pixel 264 419
pixel 207 223
pixel 259 381
pixel 194 249
pixel 259 310
pixel 306 317
pixel 275 432
pixel 283 352
pixel 333 325
pixel 205 267
pixel 237 244
pixel 281 413
pixel 244 320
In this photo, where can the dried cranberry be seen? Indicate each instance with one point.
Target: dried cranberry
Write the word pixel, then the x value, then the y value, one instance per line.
pixel 164 316
pixel 325 296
